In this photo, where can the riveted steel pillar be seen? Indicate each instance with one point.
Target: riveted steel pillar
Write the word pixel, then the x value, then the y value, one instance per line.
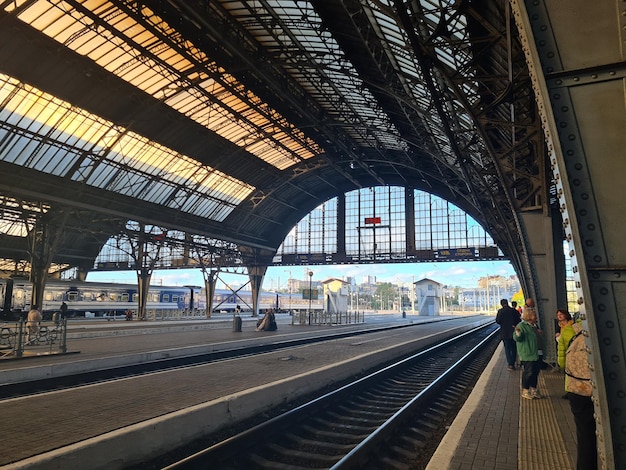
pixel 256 275
pixel 210 276
pixel 541 251
pixel 576 58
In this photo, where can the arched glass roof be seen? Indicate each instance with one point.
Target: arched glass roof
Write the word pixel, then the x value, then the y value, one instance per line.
pixel 45 133
pixel 153 56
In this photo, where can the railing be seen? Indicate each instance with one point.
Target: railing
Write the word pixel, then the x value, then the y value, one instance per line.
pixel 21 339
pixel 319 317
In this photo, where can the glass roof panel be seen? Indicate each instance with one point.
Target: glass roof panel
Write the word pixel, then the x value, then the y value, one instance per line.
pixel 289 25
pixel 110 158
pixel 449 49
pixel 153 57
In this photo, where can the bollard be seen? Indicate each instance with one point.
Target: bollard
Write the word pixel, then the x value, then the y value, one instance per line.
pixel 236 323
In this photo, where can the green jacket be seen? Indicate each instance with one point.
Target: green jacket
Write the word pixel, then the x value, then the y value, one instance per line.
pixel 529 342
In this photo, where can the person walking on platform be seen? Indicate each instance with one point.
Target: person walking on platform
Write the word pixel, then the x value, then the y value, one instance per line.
pixel 507 318
pixel 529 339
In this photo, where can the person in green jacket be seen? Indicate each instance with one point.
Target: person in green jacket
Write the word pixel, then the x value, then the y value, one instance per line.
pixel 530 342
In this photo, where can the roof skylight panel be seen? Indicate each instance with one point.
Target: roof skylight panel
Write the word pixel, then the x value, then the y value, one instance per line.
pixel 344 99
pixel 130 184
pixel 31 109
pixel 143 59
pixel 159 194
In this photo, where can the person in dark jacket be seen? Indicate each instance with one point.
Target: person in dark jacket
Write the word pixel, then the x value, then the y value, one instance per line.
pixel 507 318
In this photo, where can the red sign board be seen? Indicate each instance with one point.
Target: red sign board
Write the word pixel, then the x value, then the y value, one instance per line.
pixel 372 220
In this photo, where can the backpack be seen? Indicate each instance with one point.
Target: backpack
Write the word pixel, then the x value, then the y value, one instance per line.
pixel 578 378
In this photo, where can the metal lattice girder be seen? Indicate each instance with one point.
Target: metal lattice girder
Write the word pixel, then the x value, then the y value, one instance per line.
pixel 290 104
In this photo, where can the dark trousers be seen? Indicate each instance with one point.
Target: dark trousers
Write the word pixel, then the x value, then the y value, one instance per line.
pixel 530 373
pixel 582 409
pixel 510 350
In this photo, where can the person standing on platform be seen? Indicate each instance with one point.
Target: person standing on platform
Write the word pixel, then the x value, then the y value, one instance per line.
pixel 564 335
pixel 529 339
pixel 578 386
pixel 529 305
pixel 63 310
pixel 32 323
pixel 507 318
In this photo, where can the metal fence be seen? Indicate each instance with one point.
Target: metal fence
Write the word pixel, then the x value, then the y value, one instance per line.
pixel 21 338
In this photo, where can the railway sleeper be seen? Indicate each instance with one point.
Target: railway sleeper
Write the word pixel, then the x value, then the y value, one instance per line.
pixel 450 399
pixel 329 448
pixel 414 440
pixel 377 393
pixel 435 415
pixel 398 393
pixel 376 407
pixel 358 418
pixel 403 452
pixel 333 436
pixel 392 464
pixel 456 388
pixel 256 461
pixel 299 457
pixel 425 427
pixel 347 427
pixel 406 389
pixel 374 413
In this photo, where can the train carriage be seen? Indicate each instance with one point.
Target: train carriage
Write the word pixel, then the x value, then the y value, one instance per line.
pixel 98 299
pixel 95 299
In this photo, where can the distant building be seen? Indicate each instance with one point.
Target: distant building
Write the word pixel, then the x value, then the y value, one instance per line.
pixel 486 296
pixel 428 294
pixel 335 295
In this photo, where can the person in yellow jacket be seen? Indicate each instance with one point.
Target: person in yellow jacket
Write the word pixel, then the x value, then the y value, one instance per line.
pixel 565 334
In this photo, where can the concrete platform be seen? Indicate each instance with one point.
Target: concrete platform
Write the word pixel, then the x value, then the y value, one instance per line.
pixel 83 428
pixel 499 430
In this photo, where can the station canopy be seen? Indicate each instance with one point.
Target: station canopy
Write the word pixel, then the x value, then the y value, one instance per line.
pixel 233 119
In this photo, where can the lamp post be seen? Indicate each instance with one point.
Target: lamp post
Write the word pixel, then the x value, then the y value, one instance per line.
pixel 413 296
pixel 289 288
pixel 310 293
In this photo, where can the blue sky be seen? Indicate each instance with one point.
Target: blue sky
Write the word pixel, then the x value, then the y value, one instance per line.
pixel 463 274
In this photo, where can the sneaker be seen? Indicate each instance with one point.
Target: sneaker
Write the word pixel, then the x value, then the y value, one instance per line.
pixel 535 393
pixel 511 367
pixel 526 394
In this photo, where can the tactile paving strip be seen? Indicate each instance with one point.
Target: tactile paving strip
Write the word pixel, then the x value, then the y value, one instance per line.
pixel 542 445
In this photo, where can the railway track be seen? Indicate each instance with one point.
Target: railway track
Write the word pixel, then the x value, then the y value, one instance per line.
pixel 387 419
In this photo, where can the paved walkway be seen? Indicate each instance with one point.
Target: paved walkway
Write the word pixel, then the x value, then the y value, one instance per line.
pixel 498 430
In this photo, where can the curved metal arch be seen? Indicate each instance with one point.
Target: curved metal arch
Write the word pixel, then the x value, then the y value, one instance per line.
pixel 597 261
